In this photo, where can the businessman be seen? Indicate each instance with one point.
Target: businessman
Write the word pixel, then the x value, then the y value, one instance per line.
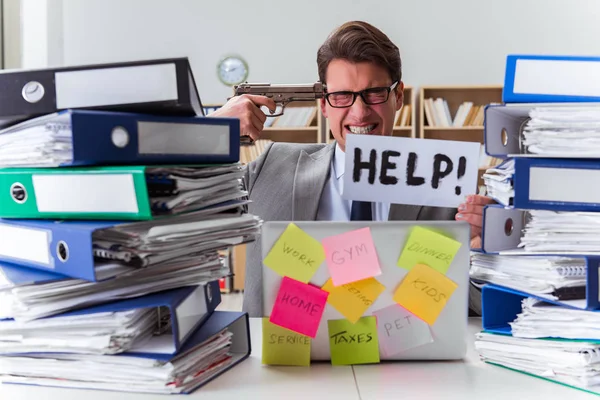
pixel 362 70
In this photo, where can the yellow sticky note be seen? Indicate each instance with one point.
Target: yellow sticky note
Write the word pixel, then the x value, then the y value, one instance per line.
pixel 296 254
pixel 424 292
pixel 354 298
pixel 425 246
pixel 284 347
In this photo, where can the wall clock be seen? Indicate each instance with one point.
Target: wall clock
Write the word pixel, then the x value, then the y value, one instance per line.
pixel 232 70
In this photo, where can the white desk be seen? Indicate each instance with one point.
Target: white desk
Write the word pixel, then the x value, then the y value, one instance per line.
pixel 467 379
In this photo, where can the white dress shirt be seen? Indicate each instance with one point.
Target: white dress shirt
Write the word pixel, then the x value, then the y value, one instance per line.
pixel 332 207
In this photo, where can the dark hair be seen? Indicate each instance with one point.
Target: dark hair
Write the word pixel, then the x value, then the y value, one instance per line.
pixel 359 41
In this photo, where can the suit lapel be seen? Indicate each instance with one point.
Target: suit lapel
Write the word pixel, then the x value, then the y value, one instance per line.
pixel 312 171
pixel 404 212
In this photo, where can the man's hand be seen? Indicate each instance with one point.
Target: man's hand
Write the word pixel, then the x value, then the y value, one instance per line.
pixel 472 212
pixel 246 108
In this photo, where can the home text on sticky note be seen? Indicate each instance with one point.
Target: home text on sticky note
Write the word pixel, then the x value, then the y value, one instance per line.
pixel 353 343
pixel 299 307
pixel 353 299
pixel 399 330
pixel 351 256
pixel 281 346
pixel 295 254
pixel 425 246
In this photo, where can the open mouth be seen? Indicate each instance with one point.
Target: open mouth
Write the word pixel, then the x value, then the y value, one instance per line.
pixel 362 130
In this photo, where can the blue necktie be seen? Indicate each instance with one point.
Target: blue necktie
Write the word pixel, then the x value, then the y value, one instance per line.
pixel 361 211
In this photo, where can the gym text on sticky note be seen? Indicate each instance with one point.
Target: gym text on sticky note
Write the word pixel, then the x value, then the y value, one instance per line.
pixel 353 299
pixel 351 256
pixel 424 292
pixel 353 343
pixel 399 330
pixel 281 346
pixel 295 254
pixel 299 307
pixel 425 246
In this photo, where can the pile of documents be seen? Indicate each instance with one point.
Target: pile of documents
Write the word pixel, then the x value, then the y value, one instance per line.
pixel 115 222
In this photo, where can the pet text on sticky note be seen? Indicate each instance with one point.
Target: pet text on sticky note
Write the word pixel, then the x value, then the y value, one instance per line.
pixel 353 343
pixel 399 330
pixel 354 298
pixel 281 346
pixel 425 246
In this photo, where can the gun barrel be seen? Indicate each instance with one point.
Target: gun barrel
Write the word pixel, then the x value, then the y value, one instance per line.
pixel 283 92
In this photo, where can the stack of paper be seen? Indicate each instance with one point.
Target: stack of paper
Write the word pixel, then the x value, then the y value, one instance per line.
pixel 498 182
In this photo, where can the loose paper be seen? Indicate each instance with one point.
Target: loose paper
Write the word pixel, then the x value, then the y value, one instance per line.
pixel 351 256
pixel 283 347
pixel 399 330
pixel 353 343
pixel 353 299
pixel 425 246
pixel 424 292
pixel 295 254
pixel 299 307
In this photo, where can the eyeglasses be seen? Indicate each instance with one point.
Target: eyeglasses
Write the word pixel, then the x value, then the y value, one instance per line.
pixel 371 96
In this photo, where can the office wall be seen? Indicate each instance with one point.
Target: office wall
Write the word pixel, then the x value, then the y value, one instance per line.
pixel 441 41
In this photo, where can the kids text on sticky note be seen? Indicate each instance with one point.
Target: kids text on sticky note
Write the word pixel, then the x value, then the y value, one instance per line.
pixel 399 330
pixel 295 254
pixel 353 343
pixel 354 298
pixel 351 256
pixel 281 346
pixel 299 307
pixel 424 292
pixel 425 246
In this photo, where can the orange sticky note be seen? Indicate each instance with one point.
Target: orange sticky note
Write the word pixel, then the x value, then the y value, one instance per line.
pixel 354 298
pixel 424 292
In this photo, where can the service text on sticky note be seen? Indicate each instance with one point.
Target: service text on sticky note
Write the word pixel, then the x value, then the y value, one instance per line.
pixel 353 343
pixel 399 330
pixel 281 346
pixel 425 246
pixel 354 298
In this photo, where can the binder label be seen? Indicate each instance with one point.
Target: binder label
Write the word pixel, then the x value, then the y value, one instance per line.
pixel 26 244
pixel 178 138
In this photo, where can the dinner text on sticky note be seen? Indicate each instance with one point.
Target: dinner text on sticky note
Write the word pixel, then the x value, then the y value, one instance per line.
pixel 281 346
pixel 424 292
pixel 299 307
pixel 399 330
pixel 425 246
pixel 353 343
pixel 295 254
pixel 353 299
pixel 351 256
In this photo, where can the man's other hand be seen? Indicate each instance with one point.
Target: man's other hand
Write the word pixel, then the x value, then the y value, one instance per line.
pixel 472 212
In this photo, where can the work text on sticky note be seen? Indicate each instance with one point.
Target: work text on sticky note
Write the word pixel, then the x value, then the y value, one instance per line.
pixel 399 330
pixel 353 299
pixel 425 246
pixel 299 307
pixel 351 256
pixel 353 343
pixel 295 254
pixel 281 346
pixel 424 292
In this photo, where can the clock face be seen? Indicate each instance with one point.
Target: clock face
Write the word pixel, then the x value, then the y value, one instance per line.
pixel 232 70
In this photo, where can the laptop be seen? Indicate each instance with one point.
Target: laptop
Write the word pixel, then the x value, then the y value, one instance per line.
pixel 448 331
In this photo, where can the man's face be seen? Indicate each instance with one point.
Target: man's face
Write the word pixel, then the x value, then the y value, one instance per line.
pixel 360 118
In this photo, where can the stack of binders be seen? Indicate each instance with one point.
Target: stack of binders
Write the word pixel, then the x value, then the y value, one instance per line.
pixel 118 199
pixel 540 257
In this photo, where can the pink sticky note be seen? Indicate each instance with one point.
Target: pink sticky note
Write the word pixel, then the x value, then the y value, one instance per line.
pixel 299 307
pixel 351 256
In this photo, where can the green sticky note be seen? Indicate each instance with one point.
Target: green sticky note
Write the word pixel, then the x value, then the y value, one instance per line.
pixel 353 343
pixel 284 347
pixel 426 246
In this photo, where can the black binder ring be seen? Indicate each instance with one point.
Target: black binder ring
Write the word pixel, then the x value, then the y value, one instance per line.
pixel 62 251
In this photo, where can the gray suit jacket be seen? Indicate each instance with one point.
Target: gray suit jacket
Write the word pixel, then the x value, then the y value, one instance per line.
pixel 285 184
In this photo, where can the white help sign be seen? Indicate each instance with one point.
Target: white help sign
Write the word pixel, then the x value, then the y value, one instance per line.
pixel 401 170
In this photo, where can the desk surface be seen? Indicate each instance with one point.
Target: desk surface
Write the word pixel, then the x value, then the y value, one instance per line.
pixel 466 379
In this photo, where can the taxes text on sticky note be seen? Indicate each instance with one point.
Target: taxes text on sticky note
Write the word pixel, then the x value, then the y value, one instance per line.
pixel 354 298
pixel 299 307
pixel 353 343
pixel 351 256
pixel 425 246
pixel 424 292
pixel 281 346
pixel 399 330
pixel 295 254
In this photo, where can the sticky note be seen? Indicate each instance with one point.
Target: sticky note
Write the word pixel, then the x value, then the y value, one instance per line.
pixel 425 246
pixel 299 307
pixel 281 346
pixel 354 298
pixel 295 254
pixel 399 330
pixel 353 343
pixel 424 292
pixel 351 256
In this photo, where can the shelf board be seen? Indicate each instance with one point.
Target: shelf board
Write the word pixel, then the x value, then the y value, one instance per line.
pixel 453 128
pixel 291 128
pixel 402 128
